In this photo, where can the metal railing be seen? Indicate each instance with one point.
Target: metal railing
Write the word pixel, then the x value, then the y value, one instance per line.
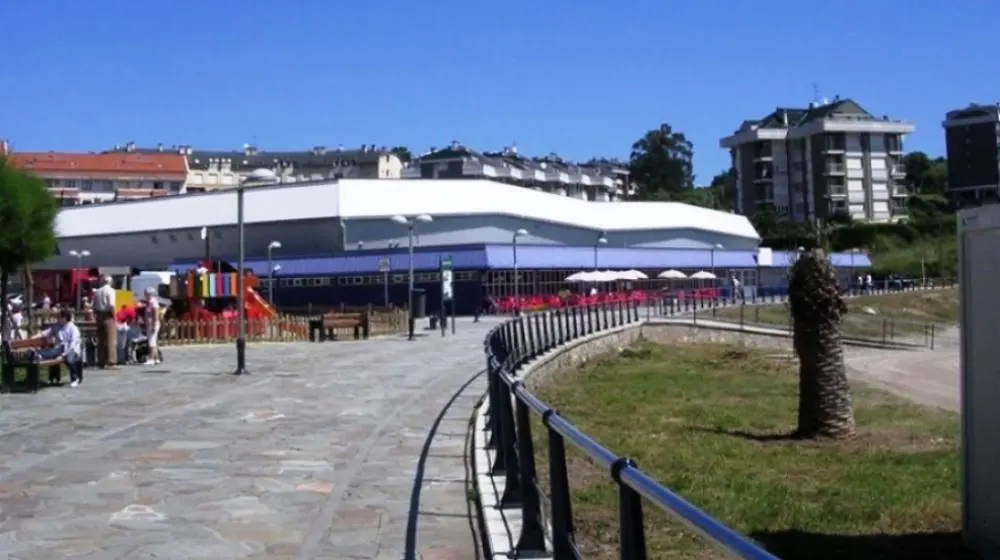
pixel 511 345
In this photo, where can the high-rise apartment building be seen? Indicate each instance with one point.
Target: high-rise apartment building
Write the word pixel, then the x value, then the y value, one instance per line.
pixel 972 139
pixel 815 162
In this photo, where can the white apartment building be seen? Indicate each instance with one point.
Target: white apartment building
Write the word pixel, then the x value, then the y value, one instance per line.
pixel 600 181
pixel 211 170
pixel 814 163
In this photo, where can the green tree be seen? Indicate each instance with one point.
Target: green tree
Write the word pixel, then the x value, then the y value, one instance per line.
pixel 402 152
pixel 817 309
pixel 926 175
pixel 661 164
pixel 27 228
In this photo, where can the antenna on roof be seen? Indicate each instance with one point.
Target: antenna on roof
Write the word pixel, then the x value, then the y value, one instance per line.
pixel 815 93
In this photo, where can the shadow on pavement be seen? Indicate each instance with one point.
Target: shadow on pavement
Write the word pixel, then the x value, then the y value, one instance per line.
pixel 413 517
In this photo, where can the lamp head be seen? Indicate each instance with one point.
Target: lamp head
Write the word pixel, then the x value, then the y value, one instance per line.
pixel 425 218
pixel 274 245
pixel 400 220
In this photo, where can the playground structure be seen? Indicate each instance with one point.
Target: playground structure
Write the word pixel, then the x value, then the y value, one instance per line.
pixel 205 302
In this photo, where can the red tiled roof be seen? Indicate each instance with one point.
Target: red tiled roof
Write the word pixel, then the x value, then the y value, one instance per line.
pixel 89 165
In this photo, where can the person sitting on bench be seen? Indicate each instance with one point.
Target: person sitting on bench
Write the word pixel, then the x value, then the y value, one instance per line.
pixel 66 344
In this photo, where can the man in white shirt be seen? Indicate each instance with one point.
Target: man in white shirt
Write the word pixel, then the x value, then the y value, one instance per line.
pixel 66 344
pixel 107 328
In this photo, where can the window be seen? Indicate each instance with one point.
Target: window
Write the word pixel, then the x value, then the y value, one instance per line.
pixel 158 185
pixel 86 185
pixel 175 186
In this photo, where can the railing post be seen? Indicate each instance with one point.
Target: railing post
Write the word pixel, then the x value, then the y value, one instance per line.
pixel 621 312
pixel 605 322
pixel 551 338
pixel 590 319
pixel 491 410
pixel 563 542
pixel 537 341
pixel 532 534
pixel 557 326
pixel 631 532
pixel 508 439
pixel 523 350
pixel 497 437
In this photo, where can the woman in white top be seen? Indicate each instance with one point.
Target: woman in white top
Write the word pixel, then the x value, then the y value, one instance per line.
pixel 152 318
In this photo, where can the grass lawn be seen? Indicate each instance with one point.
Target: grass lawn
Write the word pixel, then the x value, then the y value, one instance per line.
pixel 698 418
pixel 905 313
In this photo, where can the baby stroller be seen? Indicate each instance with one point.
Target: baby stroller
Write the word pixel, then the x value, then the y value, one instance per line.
pixel 140 347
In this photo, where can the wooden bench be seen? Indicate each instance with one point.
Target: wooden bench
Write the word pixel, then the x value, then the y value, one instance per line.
pixel 20 354
pixel 333 321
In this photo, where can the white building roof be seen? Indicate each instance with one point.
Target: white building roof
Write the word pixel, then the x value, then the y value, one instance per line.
pixel 373 198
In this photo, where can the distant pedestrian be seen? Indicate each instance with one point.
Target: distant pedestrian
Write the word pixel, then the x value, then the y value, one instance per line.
pixel 107 328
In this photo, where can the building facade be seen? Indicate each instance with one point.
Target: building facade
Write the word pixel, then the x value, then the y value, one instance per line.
pixel 353 216
pixel 814 163
pixel 76 179
pixel 211 170
pixel 972 139
pixel 598 181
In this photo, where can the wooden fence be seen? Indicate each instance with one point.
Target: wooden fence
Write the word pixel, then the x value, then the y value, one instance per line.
pixel 285 328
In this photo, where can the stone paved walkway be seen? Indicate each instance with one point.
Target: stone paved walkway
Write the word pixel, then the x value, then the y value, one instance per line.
pixel 314 456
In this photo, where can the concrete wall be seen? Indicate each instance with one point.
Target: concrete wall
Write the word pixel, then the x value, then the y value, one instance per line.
pixel 979 250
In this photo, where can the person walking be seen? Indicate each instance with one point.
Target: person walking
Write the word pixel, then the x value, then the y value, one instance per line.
pixel 152 317
pixel 107 328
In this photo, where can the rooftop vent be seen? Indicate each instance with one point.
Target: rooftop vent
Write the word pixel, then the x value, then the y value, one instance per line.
pixel 319 150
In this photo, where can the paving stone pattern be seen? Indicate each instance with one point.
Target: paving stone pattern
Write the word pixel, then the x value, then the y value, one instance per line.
pixel 314 456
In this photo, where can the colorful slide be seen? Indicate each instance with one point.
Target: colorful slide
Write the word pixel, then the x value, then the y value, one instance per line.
pixel 257 307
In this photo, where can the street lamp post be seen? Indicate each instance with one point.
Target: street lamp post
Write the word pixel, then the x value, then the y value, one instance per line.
pixel 241 321
pixel 411 225
pixel 272 246
pixel 715 248
pixel 80 255
pixel 602 239
pixel 517 285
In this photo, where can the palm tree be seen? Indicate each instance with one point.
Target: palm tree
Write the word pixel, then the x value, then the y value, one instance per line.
pixel 27 228
pixel 818 309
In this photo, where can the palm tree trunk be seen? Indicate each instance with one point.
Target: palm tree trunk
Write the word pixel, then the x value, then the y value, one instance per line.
pixel 825 408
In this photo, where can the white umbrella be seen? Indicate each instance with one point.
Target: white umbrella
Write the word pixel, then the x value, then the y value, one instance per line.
pixel 632 274
pixel 604 276
pixel 671 274
pixel 703 275
pixel 582 276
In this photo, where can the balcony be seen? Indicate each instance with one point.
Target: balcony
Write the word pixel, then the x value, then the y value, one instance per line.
pixel 900 191
pixel 897 170
pixel 835 169
pixel 836 191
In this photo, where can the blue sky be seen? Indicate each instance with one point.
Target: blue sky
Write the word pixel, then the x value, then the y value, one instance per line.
pixel 581 79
